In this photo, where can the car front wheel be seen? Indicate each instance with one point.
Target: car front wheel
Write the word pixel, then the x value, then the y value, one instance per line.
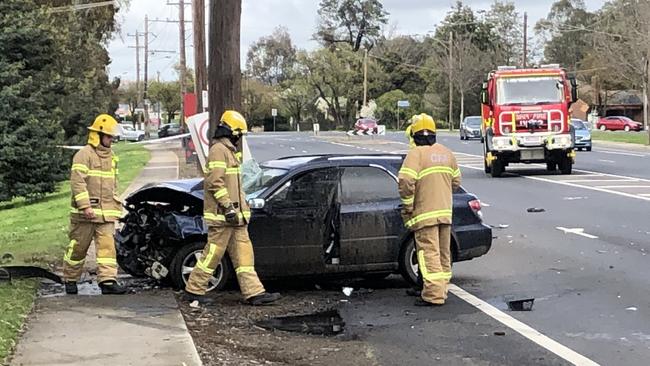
pixel 408 262
pixel 627 128
pixel 185 260
pixel 603 128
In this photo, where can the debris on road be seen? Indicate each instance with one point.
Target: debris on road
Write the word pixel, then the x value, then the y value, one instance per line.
pixel 503 226
pixel 601 251
pixel 631 308
pixel 194 304
pixel 574 198
pixel 328 323
pixel 535 209
pixel 347 291
pixel 521 305
pixel 499 333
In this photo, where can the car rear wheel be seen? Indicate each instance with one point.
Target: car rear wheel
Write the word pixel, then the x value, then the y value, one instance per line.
pixel 603 128
pixel 185 260
pixel 551 166
pixel 565 165
pixel 408 262
pixel 627 128
pixel 588 148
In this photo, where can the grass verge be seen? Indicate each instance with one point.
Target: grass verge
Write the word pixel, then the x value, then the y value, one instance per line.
pixel 621 136
pixel 35 233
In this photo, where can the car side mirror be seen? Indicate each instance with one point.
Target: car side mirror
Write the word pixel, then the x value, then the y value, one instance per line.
pixel 257 203
pixel 574 90
pixel 484 95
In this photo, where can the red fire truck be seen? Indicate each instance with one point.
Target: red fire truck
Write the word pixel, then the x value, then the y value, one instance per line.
pixel 526 118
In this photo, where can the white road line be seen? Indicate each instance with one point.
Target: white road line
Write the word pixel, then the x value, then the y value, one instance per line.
pixel 304 151
pixel 606 161
pixel 620 153
pixel 598 180
pixel 578 231
pixel 617 187
pixel 644 194
pixel 553 346
pixel 588 187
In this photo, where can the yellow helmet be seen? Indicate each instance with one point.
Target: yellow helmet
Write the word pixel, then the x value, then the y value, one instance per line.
pixel 235 121
pixel 421 122
pixel 105 124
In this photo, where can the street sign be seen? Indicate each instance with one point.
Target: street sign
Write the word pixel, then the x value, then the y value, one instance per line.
pixel 403 103
pixel 198 125
pixel 316 128
pixel 274 112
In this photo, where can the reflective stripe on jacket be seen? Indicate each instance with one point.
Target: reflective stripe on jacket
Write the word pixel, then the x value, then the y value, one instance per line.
pixel 427 178
pixel 222 186
pixel 93 182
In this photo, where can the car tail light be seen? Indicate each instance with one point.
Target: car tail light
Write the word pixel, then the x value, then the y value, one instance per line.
pixel 475 205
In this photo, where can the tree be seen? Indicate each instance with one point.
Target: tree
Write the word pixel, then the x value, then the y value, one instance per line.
pixel 401 59
pixel 565 31
pixel 296 99
pixel 31 164
pixel 168 94
pixel 224 71
pixel 507 25
pixel 355 22
pixel 130 94
pixel 258 99
pixel 271 59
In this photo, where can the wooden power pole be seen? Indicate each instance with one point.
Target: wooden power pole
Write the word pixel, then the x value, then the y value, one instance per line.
pixel 183 66
pixel 200 71
pixel 224 71
pixel 451 84
pixel 525 60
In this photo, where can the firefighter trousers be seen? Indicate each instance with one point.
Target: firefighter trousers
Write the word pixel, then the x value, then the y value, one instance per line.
pixel 434 259
pixel 235 240
pixel 81 235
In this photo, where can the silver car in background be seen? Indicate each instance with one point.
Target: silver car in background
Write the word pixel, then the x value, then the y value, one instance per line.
pixel 131 134
pixel 470 128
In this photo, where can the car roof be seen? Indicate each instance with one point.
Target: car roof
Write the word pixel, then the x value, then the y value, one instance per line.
pixel 293 162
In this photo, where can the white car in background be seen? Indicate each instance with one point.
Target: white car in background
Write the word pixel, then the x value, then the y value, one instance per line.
pixel 131 134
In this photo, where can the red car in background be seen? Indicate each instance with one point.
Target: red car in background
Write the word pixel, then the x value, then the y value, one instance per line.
pixel 617 123
pixel 366 125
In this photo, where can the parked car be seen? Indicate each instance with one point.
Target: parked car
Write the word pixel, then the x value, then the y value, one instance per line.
pixel 366 125
pixel 615 123
pixel 131 134
pixel 312 216
pixel 169 129
pixel 582 134
pixel 470 128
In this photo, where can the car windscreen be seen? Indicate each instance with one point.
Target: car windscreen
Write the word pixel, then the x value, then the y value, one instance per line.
pixel 257 178
pixel 529 90
pixel 473 121
pixel 578 125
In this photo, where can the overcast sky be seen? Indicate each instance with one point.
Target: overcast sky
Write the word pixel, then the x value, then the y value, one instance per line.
pixel 260 17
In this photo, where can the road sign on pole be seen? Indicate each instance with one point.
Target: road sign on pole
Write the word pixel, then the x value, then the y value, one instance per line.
pixel 403 103
pixel 274 112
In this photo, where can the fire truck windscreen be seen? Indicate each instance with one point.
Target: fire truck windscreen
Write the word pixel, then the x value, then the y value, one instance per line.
pixel 529 90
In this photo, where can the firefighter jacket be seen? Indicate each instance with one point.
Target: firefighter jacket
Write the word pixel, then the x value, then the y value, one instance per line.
pixel 93 182
pixel 222 186
pixel 427 179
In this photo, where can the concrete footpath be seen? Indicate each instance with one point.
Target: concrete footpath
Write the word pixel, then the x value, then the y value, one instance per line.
pixel 136 329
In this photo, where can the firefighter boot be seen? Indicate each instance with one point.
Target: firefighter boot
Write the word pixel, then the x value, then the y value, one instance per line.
pixel 201 299
pixel 420 302
pixel 111 287
pixel 71 288
pixel 264 298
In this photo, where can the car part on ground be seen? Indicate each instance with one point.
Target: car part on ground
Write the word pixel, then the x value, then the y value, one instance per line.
pixel 14 272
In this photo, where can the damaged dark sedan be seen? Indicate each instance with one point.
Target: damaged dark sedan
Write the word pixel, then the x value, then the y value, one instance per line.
pixel 312 216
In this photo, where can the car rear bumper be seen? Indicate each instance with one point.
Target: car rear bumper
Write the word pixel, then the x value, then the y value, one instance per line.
pixel 473 241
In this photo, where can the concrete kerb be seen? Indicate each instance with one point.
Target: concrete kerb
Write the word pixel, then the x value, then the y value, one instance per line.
pixel 135 329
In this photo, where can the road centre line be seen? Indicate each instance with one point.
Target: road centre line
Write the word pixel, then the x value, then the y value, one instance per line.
pixel 537 337
pixel 598 180
pixel 620 153
pixel 629 195
pixel 617 187
pixel 606 161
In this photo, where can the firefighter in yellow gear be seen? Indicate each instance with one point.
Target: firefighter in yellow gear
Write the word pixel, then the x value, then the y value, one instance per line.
pixel 94 208
pixel 227 214
pixel 427 179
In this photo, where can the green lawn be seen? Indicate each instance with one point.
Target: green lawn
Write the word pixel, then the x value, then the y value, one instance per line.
pixel 621 136
pixel 36 233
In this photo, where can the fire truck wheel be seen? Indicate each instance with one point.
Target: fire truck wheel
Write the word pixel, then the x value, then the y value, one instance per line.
pixel 551 166
pixel 566 166
pixel 497 168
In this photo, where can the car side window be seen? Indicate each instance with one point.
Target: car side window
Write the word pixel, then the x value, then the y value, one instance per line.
pixel 363 185
pixel 312 189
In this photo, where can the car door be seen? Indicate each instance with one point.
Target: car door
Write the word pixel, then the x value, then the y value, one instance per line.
pixel 370 221
pixel 290 232
pixel 618 123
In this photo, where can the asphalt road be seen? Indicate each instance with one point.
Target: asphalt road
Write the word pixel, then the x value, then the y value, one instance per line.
pixel 583 260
